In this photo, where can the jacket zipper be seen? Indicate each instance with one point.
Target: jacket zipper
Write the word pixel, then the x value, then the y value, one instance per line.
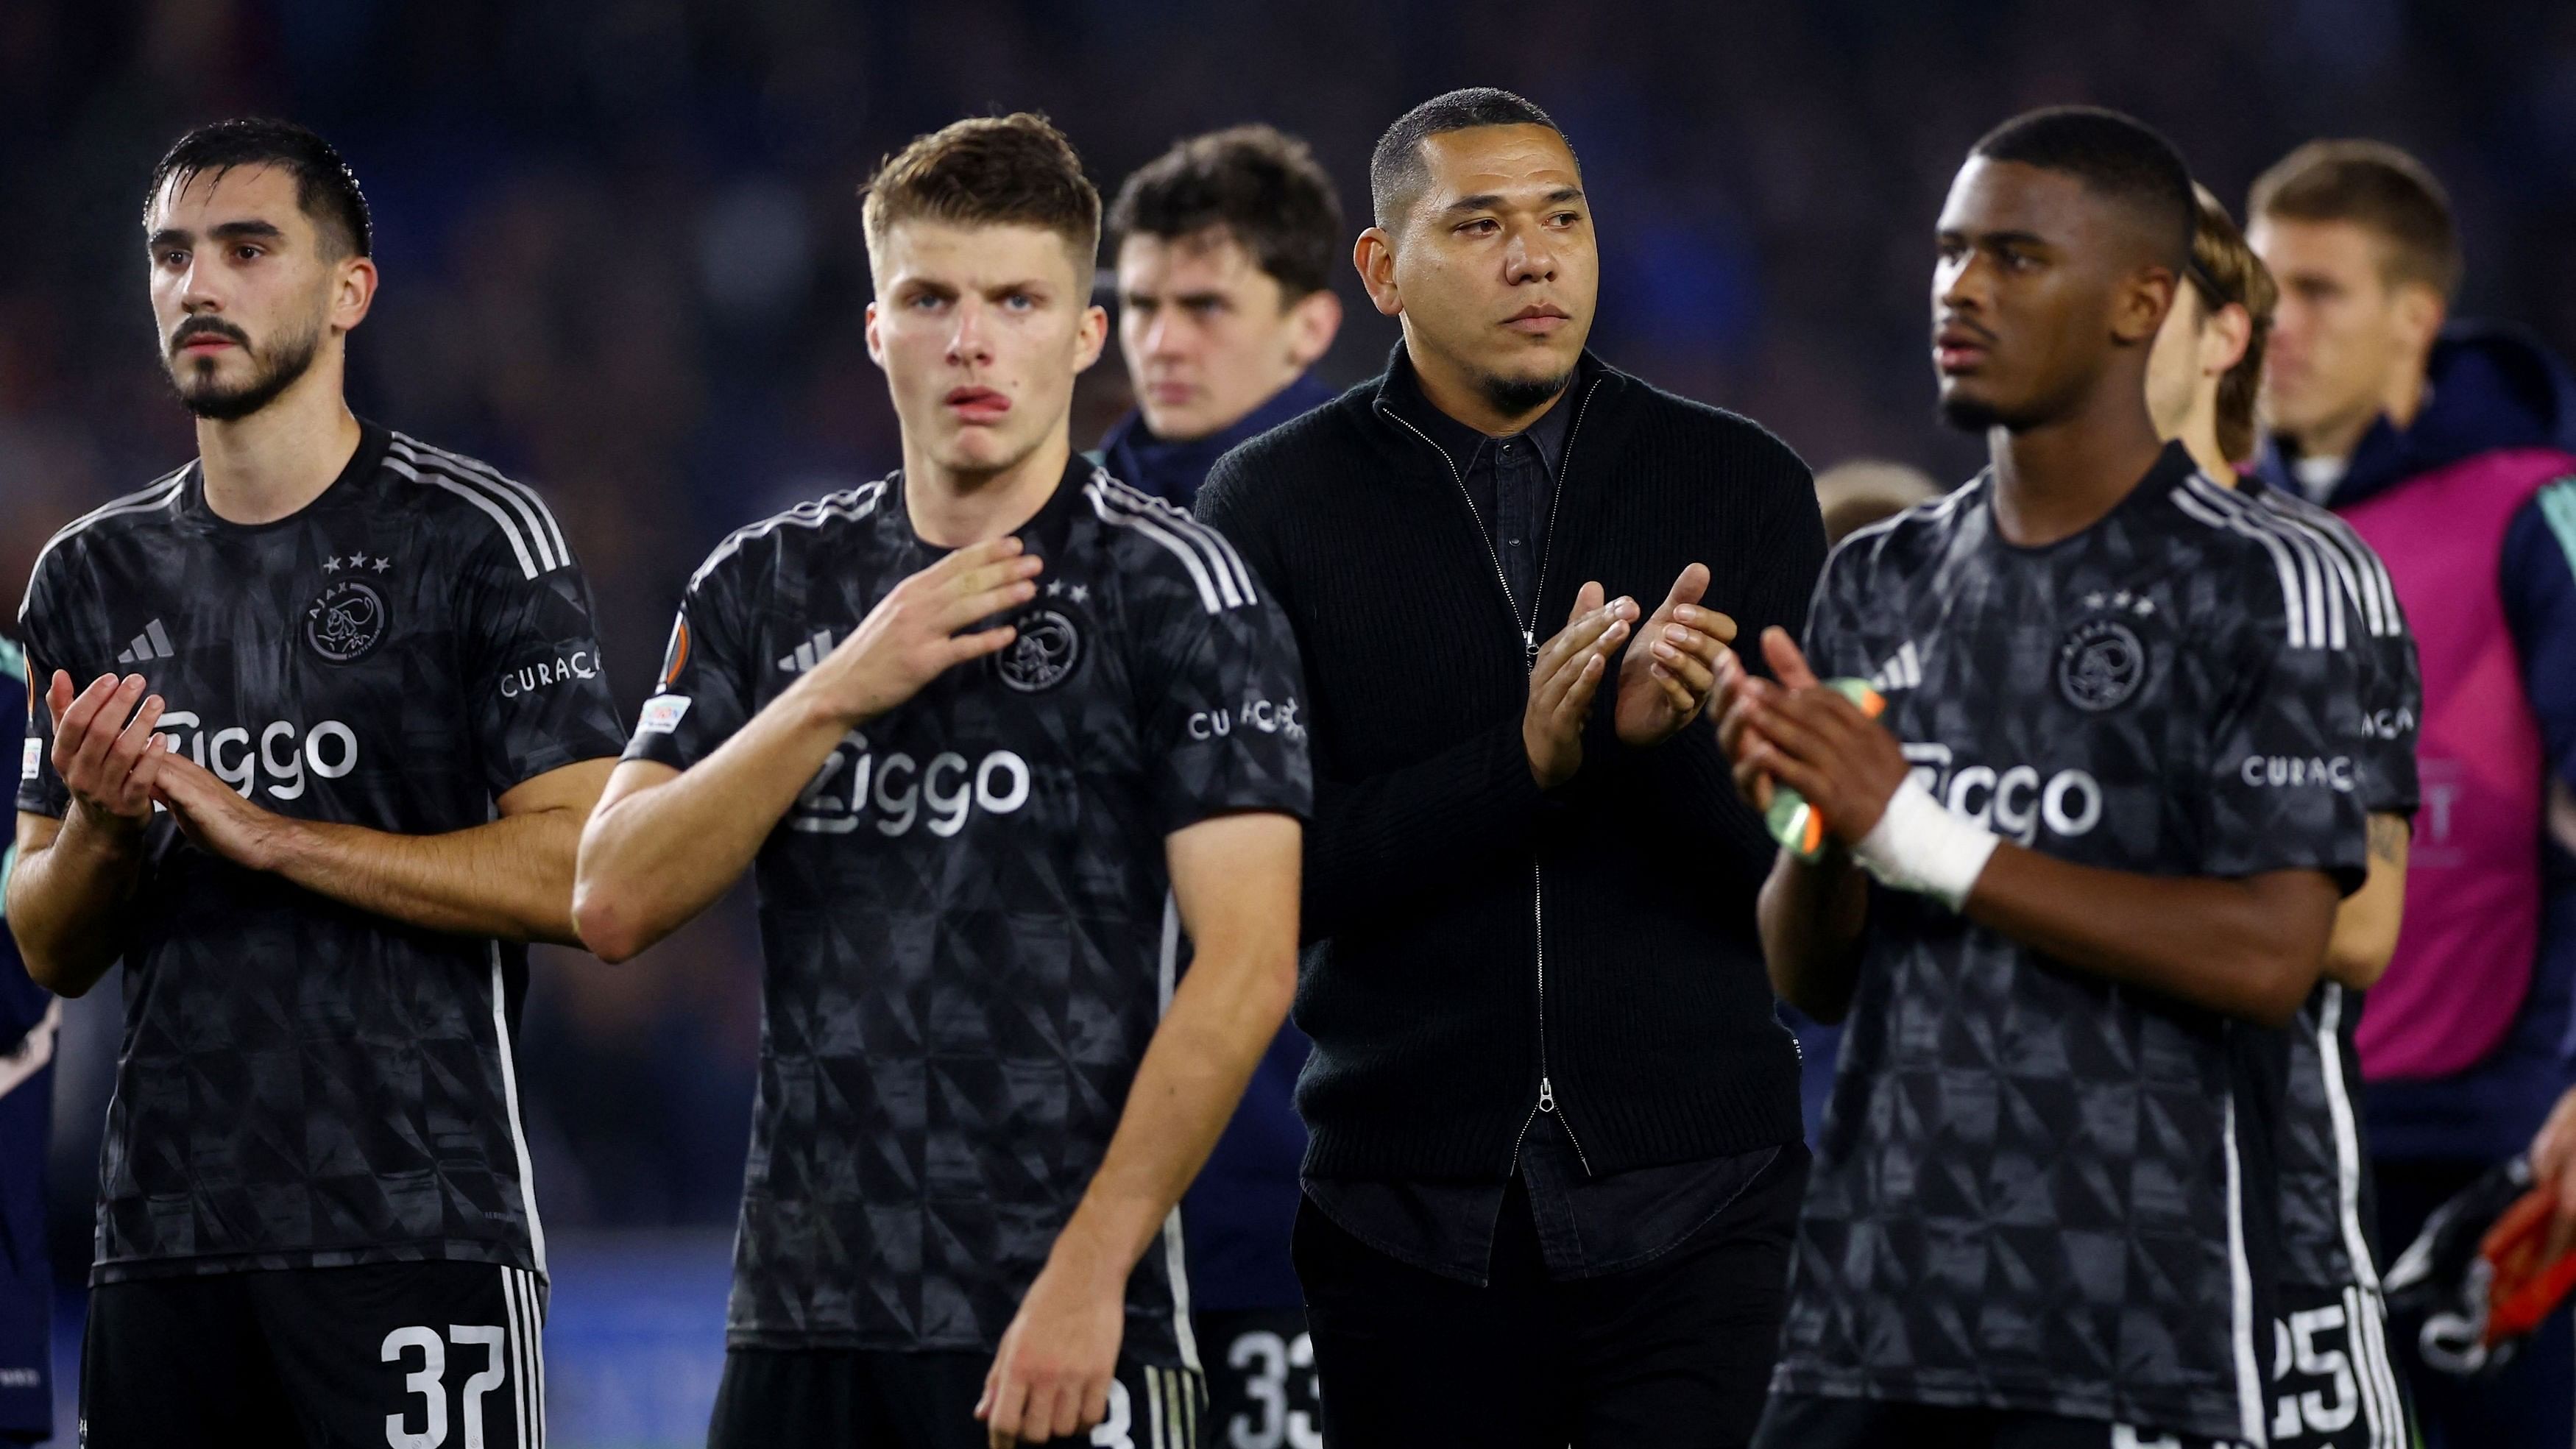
pixel 1529 662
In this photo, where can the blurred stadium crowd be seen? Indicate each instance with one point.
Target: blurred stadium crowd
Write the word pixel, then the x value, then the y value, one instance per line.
pixel 622 260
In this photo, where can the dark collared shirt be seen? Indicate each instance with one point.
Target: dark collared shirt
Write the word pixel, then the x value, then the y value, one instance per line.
pixel 1587 1225
pixel 1510 483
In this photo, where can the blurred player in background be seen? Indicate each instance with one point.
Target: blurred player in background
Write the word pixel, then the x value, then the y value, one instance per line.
pixel 29 1018
pixel 1853 495
pixel 994 731
pixel 2453 451
pixel 2080 869
pixel 2335 1382
pixel 323 717
pixel 1225 247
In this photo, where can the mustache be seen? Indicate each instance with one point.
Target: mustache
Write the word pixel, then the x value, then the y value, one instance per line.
pixel 196 327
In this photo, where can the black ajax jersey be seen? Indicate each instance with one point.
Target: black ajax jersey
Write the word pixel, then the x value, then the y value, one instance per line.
pixel 2327 1220
pixel 965 916
pixel 2037 1190
pixel 302 1084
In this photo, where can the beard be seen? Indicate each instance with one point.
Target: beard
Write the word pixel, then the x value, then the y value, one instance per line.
pixel 274 369
pixel 1514 396
pixel 1970 415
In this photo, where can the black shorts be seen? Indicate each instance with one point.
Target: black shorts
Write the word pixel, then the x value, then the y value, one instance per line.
pixel 1262 1390
pixel 2333 1385
pixel 786 1398
pixel 409 1355
pixel 1813 1421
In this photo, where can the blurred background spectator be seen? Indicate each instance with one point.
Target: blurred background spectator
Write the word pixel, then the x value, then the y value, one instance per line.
pixel 622 261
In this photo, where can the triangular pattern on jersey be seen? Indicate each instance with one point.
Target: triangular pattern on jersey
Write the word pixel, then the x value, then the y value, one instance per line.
pixel 2031 1191
pixel 962 914
pixel 302 1085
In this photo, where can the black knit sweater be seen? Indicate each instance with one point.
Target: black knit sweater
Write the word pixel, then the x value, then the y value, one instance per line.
pixel 1470 935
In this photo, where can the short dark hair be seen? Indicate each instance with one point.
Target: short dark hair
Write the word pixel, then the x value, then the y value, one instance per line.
pixel 2115 156
pixel 1261 185
pixel 2224 270
pixel 325 188
pixel 1396 171
pixel 987 171
pixel 2376 186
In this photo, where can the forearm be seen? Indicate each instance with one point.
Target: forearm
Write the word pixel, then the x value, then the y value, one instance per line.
pixel 1811 915
pixel 69 901
pixel 1378 840
pixel 1222 1019
pixel 2243 948
pixel 2366 923
pixel 652 860
pixel 510 878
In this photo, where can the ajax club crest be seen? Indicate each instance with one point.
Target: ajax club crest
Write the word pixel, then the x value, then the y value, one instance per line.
pixel 346 623
pixel 1044 655
pixel 2100 664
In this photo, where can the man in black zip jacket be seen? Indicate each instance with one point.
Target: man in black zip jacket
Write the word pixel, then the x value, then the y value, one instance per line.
pixel 1556 1157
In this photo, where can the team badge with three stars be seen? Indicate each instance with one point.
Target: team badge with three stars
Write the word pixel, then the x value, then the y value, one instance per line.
pixel 347 622
pixel 2102 662
pixel 1049 646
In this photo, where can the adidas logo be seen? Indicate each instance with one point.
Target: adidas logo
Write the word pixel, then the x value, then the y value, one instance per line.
pixel 808 654
pixel 1904 671
pixel 153 643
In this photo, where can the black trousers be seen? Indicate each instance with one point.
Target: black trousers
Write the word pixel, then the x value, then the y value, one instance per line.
pixel 1675 1353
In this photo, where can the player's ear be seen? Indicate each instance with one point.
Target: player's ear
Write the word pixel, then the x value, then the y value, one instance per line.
pixel 353 291
pixel 1374 255
pixel 876 347
pixel 2142 304
pixel 2419 311
pixel 1090 337
pixel 1313 320
pixel 2224 338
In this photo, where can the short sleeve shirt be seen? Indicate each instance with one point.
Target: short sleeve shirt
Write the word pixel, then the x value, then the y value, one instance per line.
pixel 966 915
pixel 2037 1190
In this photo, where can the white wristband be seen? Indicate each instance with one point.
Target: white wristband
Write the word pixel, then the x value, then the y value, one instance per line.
pixel 1923 846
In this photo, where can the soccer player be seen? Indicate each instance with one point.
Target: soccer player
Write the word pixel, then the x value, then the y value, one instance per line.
pixel 2451 447
pixel 29 1018
pixel 343 721
pixel 2079 870
pixel 1224 248
pixel 2335 1383
pixel 995 731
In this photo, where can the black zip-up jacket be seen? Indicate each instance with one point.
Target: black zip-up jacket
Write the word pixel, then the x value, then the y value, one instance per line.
pixel 1479 946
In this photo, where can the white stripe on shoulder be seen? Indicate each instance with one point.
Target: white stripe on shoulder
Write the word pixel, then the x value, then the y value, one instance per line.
pixel 849 503
pixel 2350 565
pixel 1216 590
pixel 529 564
pixel 2325 602
pixel 2378 590
pixel 2366 558
pixel 1220 549
pixel 164 491
pixel 2293 601
pixel 540 519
